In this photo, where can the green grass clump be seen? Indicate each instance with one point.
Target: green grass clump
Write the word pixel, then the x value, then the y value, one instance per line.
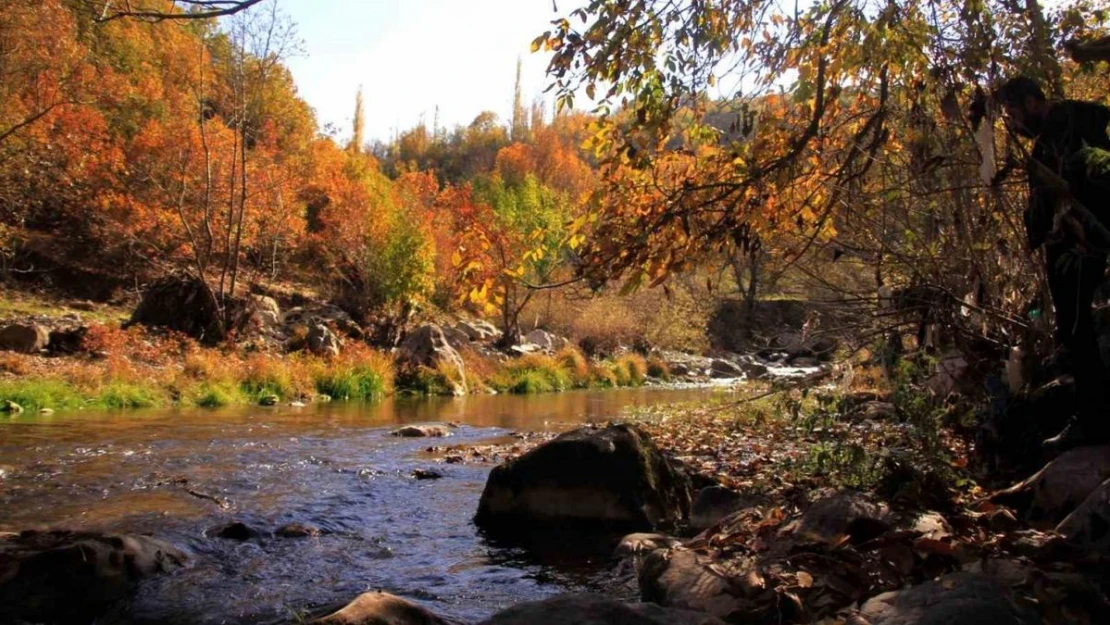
pixel 352 383
pixel 621 374
pixel 428 381
pixel 529 381
pixel 635 369
pixel 34 395
pixel 574 363
pixel 536 374
pixel 122 395
pixel 217 396
pixel 602 375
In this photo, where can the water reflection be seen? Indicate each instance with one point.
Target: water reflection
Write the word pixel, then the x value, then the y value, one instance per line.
pixel 331 466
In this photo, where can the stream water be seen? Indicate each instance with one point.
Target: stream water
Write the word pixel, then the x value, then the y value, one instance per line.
pixel 334 467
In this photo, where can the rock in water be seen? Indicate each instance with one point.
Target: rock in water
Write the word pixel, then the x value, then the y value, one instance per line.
pixel 643 542
pixel 75 577
pixel 380 608
pixel 585 609
pixel 957 599
pixel 10 407
pixel 421 431
pixel 233 531
pixel 296 530
pixel 427 474
pixel 612 476
pixel 24 338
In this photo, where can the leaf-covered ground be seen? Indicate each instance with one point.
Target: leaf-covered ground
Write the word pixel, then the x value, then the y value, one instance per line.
pixel 897 505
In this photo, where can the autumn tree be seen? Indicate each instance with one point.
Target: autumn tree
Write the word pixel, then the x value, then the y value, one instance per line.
pixel 841 129
pixel 512 240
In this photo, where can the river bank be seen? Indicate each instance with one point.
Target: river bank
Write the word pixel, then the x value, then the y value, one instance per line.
pixel 79 355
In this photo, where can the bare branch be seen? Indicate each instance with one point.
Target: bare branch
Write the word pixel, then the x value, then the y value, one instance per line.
pixel 196 10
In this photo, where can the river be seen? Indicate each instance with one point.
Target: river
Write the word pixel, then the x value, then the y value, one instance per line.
pixel 331 466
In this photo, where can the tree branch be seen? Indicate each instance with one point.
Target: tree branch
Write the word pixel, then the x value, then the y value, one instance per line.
pixel 199 10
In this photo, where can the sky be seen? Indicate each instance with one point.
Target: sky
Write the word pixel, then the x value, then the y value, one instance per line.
pixel 412 55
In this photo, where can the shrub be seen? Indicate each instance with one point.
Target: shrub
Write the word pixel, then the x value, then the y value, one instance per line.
pixel 15 364
pixel 635 367
pixel 604 325
pixel 530 381
pixel 217 395
pixel 352 382
pixel 266 376
pixel 210 365
pixel 602 375
pixel 359 373
pixel 35 395
pixel 480 369
pixel 535 367
pixel 122 395
pixel 574 363
pixel 429 381
pixel 621 374
pixel 658 368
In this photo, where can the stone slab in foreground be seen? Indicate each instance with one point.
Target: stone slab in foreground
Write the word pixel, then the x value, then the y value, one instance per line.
pixel 957 599
pixel 586 609
pixel 71 577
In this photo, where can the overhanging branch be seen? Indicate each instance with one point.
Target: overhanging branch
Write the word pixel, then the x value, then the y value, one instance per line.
pixel 195 10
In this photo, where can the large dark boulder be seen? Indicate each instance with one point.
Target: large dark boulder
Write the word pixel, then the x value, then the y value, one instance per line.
pixel 583 609
pixel 186 304
pixel 613 476
pixel 1009 438
pixel 1057 489
pixel 67 340
pixel 74 577
pixel 1088 527
pixel 24 338
pixel 836 514
pixel 957 599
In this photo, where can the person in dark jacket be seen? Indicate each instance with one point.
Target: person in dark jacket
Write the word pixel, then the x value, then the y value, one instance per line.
pixel 1069 206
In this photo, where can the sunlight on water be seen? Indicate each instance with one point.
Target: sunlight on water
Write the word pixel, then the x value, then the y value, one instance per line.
pixel 334 467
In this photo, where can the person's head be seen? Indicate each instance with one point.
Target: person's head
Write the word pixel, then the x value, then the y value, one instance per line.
pixel 1024 104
